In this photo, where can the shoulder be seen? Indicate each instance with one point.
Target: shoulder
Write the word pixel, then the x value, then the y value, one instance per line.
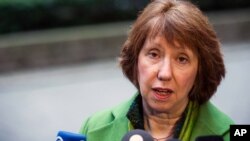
pixel 106 117
pixel 211 115
pixel 212 121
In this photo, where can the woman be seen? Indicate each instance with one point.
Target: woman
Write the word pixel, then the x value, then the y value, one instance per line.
pixel 173 58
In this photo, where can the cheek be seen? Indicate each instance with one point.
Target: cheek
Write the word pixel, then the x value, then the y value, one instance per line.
pixel 145 74
pixel 142 72
pixel 186 80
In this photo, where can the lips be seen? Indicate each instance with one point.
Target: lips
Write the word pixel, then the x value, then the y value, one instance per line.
pixel 162 93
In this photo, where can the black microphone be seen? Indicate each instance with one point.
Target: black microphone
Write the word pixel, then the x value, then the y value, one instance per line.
pixel 137 135
pixel 68 136
pixel 209 138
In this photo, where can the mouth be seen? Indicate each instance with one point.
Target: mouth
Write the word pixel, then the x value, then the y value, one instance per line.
pixel 162 93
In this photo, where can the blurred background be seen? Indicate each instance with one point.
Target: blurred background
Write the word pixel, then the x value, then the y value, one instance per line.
pixel 58 61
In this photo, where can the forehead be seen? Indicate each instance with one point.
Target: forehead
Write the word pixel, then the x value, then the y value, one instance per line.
pixel 161 41
pixel 171 31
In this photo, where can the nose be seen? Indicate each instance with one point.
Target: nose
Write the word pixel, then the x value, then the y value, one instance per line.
pixel 165 70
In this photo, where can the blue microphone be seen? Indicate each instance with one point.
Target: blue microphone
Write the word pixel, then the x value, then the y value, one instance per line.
pixel 68 136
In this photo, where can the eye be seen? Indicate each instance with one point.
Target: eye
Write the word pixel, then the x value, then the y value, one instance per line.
pixel 153 54
pixel 183 59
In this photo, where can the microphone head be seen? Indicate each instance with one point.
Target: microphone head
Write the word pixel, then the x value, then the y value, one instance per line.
pixel 137 135
pixel 209 138
pixel 68 136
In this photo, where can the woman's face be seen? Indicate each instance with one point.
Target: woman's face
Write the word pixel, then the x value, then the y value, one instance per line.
pixel 166 74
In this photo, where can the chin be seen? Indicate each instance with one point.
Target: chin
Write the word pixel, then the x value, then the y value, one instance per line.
pixel 159 107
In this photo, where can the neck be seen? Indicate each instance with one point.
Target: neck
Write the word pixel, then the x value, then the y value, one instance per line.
pixel 160 126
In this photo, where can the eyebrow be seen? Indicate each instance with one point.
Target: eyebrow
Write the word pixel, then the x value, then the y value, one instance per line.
pixel 174 45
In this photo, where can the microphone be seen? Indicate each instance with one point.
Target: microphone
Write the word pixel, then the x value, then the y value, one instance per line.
pixel 68 136
pixel 140 135
pixel 137 135
pixel 209 138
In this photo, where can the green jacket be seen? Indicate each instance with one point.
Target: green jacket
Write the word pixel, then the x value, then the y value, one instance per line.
pixel 112 124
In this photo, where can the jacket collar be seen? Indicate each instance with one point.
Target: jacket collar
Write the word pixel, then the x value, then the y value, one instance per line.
pixel 119 123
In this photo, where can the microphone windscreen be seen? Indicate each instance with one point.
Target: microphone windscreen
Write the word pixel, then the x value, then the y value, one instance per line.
pixel 137 135
pixel 209 138
pixel 68 136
